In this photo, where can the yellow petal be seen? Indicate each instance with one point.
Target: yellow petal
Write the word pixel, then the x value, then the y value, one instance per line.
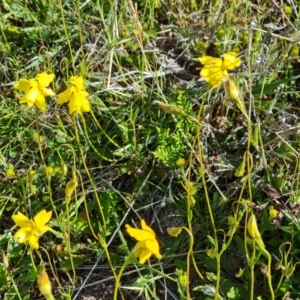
pixel 140 250
pixel 153 246
pixel 144 255
pixel 40 102
pixel 43 229
pixel 65 96
pixel 147 228
pixel 23 234
pixel 210 61
pixel 85 105
pixel 23 85
pixel 79 103
pixel 42 218
pixel 139 234
pixel 44 79
pixel 74 104
pixel 78 82
pixel 47 92
pixel 212 75
pixel 211 71
pixel 231 61
pixel 31 94
pixel 34 242
pixel 29 97
pixel 22 220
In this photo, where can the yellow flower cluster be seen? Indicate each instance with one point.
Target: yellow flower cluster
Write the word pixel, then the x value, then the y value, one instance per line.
pixel 31 230
pixel 35 91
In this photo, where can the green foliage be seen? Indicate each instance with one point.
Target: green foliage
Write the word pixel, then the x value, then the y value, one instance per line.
pixel 170 146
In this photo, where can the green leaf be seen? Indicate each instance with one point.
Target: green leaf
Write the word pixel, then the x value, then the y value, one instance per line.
pixel 270 87
pixel 232 293
pixel 211 240
pixel 77 261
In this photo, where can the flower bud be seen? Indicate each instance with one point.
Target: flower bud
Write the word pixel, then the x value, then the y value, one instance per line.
pixel 171 109
pixel 273 213
pixel 44 284
pixel 10 172
pixel 64 170
pixel 233 225
pixel 235 95
pixel 295 51
pixel 31 175
pixel 288 10
pixel 253 228
pixel 5 260
pixel 180 162
pixel 232 90
pixel 288 272
pixel 221 33
pixel 240 171
pixel 70 187
pixel 49 171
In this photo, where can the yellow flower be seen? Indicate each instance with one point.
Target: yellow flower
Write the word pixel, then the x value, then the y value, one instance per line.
pixel 221 33
pixel 180 162
pixel 36 90
pixel 31 229
pixel 215 69
pixel 273 213
pixel 76 95
pixel 49 171
pixel 288 10
pixel 147 243
pixel 10 172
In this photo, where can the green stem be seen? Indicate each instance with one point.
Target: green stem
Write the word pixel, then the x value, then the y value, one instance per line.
pixel 51 267
pixel 269 273
pixel 252 273
pixel 68 242
pixel 103 131
pixel 188 261
pixel 203 172
pixel 103 225
pixel 66 33
pixel 49 190
pixel 16 287
pixel 91 144
pixel 32 260
pixel 117 284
